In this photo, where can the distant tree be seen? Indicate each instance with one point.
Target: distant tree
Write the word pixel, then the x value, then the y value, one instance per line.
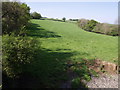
pixel 90 25
pixel 35 15
pixel 98 28
pixel 105 28
pixel 74 19
pixel 94 26
pixel 82 23
pixel 64 19
pixel 114 31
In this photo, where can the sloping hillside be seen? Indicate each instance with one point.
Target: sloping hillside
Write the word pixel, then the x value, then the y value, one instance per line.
pixel 68 37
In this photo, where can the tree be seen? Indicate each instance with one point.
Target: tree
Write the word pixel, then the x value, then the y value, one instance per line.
pixel 90 25
pixel 35 15
pixel 15 16
pixel 98 28
pixel 82 23
pixel 64 19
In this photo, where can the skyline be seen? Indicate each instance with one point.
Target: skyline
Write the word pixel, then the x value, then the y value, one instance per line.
pixel 104 12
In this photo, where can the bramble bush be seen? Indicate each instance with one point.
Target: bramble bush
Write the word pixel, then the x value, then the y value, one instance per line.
pixel 17 52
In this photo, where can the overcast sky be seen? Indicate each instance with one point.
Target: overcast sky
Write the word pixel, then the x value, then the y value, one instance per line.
pixel 105 12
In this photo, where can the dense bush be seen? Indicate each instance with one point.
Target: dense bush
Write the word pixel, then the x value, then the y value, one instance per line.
pixel 87 25
pixel 113 30
pixel 107 29
pixel 17 52
pixel 94 26
pixel 90 25
pixel 35 15
pixel 82 23
pixel 15 16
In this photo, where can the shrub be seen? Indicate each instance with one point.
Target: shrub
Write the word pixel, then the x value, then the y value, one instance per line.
pixel 107 29
pixel 102 28
pixel 82 23
pixel 87 25
pixel 17 52
pixel 15 15
pixel 90 25
pixel 114 30
pixel 97 28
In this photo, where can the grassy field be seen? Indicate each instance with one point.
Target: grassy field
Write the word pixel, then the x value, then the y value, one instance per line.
pixel 61 42
pixel 67 37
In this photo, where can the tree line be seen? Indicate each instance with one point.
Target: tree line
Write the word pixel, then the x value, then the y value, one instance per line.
pixel 97 27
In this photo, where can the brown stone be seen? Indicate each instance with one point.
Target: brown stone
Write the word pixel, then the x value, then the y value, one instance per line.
pixel 109 67
pixel 105 66
pixel 97 69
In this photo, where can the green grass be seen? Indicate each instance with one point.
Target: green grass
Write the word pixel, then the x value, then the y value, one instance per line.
pixel 68 37
pixel 61 42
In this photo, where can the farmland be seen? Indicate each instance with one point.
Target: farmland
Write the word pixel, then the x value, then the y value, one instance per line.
pixel 68 37
pixel 61 42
